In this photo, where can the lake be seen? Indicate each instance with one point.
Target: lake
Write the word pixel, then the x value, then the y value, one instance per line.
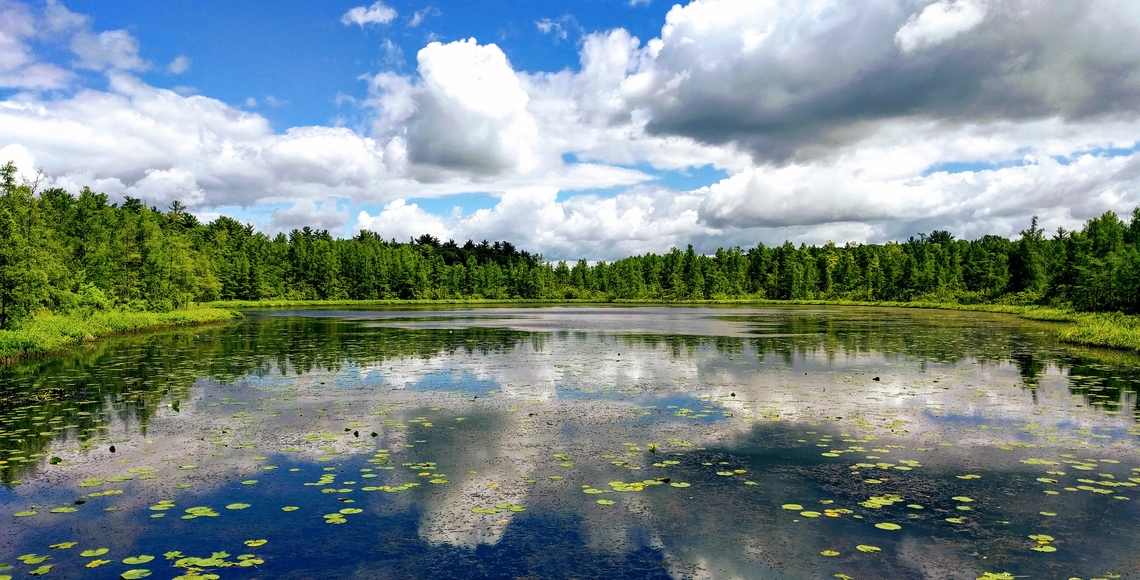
pixel 575 442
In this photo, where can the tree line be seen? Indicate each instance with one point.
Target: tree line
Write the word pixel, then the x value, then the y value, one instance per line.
pixel 65 252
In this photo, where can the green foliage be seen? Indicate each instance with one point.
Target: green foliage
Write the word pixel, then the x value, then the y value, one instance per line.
pixel 52 332
pixel 67 254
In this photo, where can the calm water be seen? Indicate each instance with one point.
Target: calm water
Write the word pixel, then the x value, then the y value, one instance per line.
pixel 572 442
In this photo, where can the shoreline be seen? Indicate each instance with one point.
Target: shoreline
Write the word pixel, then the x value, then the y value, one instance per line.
pixel 1109 330
pixel 48 334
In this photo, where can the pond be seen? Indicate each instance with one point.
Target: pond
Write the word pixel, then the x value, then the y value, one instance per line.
pixel 574 442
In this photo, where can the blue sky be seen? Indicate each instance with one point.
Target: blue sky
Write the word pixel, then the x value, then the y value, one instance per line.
pixel 299 52
pixel 592 129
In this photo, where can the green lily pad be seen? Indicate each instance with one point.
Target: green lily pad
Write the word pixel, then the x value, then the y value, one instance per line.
pixel 93 553
pixel 135 574
pixel 237 506
pixel 136 560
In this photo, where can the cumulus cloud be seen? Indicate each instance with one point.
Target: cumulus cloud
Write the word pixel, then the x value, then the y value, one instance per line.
pixel 59 18
pixel 400 220
pixel 470 111
pixel 636 221
pixel 37 76
pixel 794 80
pixel 18 66
pixel 832 120
pixel 179 65
pixel 323 215
pixel 939 22
pixel 16 25
pixel 377 13
pixel 115 49
pixel 163 186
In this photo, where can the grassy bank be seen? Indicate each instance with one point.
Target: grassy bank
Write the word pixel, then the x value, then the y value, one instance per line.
pixel 1105 330
pixel 47 333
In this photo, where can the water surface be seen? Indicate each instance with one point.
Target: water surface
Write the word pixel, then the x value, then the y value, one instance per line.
pixel 577 442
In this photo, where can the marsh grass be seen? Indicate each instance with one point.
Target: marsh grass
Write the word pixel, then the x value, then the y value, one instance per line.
pixel 1104 330
pixel 45 333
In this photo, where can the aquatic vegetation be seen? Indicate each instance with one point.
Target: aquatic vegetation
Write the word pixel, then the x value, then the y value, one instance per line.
pixel 842 467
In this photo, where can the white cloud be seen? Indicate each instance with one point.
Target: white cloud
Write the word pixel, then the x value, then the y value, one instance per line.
pixel 324 215
pixel 420 15
pixel 393 54
pixel 532 217
pixel 37 76
pixel 163 186
pixel 179 65
pixel 548 26
pixel 819 119
pixel 559 28
pixel 377 13
pixel 16 25
pixel 59 18
pixel 470 112
pixel 115 49
pixel 400 220
pixel 939 22
pixel 25 162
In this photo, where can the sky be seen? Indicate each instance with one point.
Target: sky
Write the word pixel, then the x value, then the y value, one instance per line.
pixel 595 129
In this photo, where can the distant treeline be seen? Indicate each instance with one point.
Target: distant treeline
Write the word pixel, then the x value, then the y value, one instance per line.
pixel 63 252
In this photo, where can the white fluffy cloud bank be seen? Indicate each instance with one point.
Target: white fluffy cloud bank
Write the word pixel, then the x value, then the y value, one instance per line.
pixel 860 121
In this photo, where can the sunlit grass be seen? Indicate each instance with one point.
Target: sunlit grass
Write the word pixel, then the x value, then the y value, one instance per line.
pixel 45 332
pixel 1105 330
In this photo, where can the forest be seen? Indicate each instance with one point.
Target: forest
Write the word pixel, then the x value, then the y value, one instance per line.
pixel 68 253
